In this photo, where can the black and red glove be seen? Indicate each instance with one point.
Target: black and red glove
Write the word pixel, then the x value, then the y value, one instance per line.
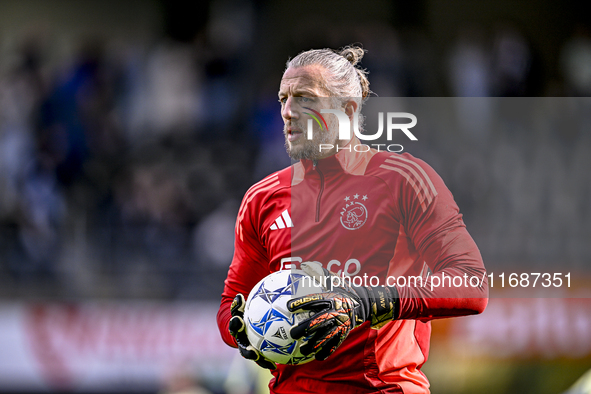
pixel 238 330
pixel 338 311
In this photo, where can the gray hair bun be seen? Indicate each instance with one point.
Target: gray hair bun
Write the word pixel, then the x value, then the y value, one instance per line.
pixel 354 54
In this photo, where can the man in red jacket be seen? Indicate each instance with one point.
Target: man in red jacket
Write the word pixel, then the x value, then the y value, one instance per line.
pixel 359 212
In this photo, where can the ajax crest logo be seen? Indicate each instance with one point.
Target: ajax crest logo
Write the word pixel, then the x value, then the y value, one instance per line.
pixel 354 213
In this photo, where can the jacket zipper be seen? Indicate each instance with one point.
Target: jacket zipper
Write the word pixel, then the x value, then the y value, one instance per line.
pixel 320 192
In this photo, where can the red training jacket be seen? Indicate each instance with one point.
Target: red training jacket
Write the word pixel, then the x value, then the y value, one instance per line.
pixel 367 214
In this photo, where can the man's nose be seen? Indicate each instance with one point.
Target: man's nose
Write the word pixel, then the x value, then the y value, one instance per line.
pixel 288 112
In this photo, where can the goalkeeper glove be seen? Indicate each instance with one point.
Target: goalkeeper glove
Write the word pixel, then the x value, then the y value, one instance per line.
pixel 338 311
pixel 238 330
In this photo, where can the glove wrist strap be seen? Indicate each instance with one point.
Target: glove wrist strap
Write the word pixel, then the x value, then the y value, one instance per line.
pixel 381 305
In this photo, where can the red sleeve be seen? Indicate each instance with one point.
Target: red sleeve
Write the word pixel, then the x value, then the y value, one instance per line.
pixel 249 264
pixel 432 219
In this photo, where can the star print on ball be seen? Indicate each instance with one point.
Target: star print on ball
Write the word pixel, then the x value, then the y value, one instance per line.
pixel 268 320
pixel 354 214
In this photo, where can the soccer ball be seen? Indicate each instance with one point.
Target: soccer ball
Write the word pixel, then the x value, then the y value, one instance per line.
pixel 268 321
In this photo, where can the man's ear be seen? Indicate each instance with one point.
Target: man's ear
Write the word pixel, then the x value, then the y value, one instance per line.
pixel 350 108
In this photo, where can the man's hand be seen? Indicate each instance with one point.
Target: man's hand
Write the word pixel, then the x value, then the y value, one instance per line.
pixel 238 330
pixel 338 311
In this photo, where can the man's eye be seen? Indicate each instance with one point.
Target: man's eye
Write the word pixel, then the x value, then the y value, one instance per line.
pixel 305 99
pixel 282 100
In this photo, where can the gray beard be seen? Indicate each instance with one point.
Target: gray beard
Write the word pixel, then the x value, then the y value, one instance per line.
pixel 311 148
pixel 309 151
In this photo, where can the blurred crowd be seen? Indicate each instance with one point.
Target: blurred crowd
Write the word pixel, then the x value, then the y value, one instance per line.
pixel 122 167
pixel 121 172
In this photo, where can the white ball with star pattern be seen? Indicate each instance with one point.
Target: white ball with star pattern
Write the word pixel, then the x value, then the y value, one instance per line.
pixel 268 321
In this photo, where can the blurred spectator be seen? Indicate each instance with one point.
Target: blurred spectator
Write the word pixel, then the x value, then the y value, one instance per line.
pixel 469 65
pixel 511 63
pixel 42 212
pixel 575 62
pixel 171 97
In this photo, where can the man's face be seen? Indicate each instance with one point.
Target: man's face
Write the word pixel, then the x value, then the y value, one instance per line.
pixel 301 93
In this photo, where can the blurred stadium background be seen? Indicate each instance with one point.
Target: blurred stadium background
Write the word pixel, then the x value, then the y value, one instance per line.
pixel 129 131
